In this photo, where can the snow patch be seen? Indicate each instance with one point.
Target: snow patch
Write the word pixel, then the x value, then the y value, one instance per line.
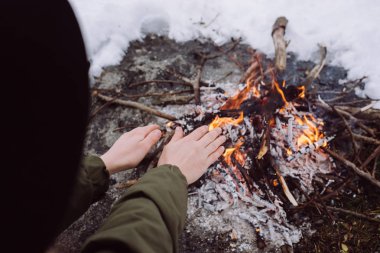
pixel 347 27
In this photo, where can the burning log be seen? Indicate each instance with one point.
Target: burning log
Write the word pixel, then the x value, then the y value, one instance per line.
pixel 278 32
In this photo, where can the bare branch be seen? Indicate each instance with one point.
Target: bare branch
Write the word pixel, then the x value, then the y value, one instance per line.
pixel 359 215
pixel 374 154
pixel 366 139
pixel 278 32
pixel 160 81
pixel 137 106
pixel 314 73
pixel 358 171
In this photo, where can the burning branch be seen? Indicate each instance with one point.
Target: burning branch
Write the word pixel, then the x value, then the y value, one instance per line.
pixel 278 32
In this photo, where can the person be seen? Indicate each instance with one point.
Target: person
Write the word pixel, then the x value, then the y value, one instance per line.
pixel 150 216
pixel 46 184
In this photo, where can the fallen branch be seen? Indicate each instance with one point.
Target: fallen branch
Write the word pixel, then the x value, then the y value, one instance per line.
pixel 366 139
pixel 355 145
pixel 344 93
pixel 160 81
pixel 278 32
pixel 324 197
pixel 314 73
pixel 358 171
pixel 359 215
pixel 374 154
pixel 148 94
pixel 369 114
pixel 156 94
pixel 357 121
pixel 137 106
pixel 92 116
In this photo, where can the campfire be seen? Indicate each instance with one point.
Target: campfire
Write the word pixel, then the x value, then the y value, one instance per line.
pixel 270 138
pixel 278 168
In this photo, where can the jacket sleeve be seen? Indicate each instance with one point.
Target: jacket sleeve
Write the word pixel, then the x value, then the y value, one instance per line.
pixel 149 217
pixel 92 183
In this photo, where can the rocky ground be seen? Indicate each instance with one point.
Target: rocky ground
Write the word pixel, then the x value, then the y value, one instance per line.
pixel 151 59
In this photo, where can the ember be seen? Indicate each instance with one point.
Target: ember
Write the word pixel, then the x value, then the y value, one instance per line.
pixel 269 141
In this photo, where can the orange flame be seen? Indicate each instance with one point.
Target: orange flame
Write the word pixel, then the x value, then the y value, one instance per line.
pixel 298 120
pixel 311 133
pixel 227 155
pixel 279 90
pixel 302 89
pixel 235 101
pixel 236 152
pixel 221 122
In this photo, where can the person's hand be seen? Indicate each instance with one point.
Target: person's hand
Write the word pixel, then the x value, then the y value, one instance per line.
pixel 128 151
pixel 194 153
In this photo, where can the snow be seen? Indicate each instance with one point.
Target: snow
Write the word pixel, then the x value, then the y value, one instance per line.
pixel 347 27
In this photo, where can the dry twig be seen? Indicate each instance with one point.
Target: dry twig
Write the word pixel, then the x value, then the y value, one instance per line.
pixel 278 32
pixel 137 106
pixel 374 154
pixel 355 145
pixel 359 215
pixel 357 121
pixel 357 170
pixel 160 81
pixel 314 73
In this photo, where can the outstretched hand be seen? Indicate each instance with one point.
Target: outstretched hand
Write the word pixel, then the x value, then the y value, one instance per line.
pixel 128 151
pixel 194 153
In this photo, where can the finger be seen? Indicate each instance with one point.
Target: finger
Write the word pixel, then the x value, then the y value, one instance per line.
pixel 215 144
pixel 214 156
pixel 144 131
pixel 178 134
pixel 210 136
pixel 197 133
pixel 152 138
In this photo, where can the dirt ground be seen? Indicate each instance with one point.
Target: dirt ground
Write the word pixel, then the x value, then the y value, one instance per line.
pixel 150 59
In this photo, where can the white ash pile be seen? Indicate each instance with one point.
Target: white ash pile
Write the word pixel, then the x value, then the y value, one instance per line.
pixel 246 192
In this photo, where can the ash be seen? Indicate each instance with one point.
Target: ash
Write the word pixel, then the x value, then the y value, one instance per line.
pixel 225 204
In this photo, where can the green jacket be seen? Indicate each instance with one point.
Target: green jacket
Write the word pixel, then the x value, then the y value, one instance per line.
pixel 149 217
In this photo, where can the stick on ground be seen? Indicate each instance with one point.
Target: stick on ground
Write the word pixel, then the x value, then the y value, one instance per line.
pixel 358 171
pixel 137 106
